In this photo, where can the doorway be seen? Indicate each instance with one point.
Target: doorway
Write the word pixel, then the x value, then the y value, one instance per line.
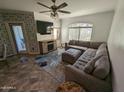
pixel 17 32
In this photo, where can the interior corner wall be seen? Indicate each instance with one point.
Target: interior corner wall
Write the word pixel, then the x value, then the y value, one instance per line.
pixel 116 48
pixel 30 29
pixel 101 25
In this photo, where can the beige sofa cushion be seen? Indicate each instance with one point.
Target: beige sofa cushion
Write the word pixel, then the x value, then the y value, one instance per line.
pixel 102 50
pixel 88 55
pixel 80 65
pixel 89 67
pixel 101 67
pixel 73 42
pixel 83 43
pixel 79 43
pixel 95 45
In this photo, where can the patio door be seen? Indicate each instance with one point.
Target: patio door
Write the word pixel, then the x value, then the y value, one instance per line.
pixel 18 37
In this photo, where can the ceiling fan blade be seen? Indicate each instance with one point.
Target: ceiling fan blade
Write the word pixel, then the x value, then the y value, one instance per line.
pixel 62 5
pixel 43 5
pixel 62 11
pixel 45 11
pixel 54 1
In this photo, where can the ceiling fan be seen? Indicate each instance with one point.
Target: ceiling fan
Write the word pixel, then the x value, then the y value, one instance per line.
pixel 54 9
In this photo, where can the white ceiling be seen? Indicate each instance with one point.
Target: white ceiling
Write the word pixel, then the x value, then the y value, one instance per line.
pixel 77 7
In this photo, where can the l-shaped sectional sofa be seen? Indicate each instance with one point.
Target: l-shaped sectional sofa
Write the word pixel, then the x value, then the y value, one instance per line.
pixel 89 65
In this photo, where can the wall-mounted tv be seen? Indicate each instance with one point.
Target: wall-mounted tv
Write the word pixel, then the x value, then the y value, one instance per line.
pixel 44 27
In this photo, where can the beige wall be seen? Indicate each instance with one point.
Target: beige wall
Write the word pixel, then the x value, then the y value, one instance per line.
pixel 116 48
pixel 39 16
pixel 101 21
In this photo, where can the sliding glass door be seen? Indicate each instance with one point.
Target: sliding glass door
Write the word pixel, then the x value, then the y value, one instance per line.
pixel 18 37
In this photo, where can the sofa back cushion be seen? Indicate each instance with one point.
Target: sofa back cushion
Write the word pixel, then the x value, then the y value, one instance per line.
pixel 88 55
pixel 101 67
pixel 89 67
pixel 95 45
pixel 102 46
pixel 102 50
pixel 79 43
pixel 87 44
pixel 84 43
pixel 73 42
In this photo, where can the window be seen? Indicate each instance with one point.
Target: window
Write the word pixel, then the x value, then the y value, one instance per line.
pixel 80 31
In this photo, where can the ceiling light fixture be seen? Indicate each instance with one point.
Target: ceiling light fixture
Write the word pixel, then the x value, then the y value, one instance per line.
pixel 54 9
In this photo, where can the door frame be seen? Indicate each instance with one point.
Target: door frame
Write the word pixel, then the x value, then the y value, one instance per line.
pixel 22 24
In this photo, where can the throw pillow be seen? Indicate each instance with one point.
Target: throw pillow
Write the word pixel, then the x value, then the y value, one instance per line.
pixel 102 50
pixel 90 65
pixel 102 67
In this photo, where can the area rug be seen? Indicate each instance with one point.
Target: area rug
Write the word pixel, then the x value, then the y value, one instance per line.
pixel 29 76
pixel 54 64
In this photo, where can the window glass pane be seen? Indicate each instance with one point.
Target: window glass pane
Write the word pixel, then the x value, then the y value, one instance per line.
pixel 85 34
pixel 73 34
pixel 80 31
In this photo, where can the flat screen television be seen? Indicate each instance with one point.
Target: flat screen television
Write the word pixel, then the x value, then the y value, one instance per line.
pixel 44 27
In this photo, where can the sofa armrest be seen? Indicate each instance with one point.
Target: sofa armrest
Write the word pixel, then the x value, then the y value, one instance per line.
pixel 66 46
pixel 89 82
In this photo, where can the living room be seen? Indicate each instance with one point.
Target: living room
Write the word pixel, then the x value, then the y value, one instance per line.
pixel 61 45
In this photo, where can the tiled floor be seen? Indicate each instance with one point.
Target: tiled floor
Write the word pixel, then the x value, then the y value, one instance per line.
pixel 30 76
